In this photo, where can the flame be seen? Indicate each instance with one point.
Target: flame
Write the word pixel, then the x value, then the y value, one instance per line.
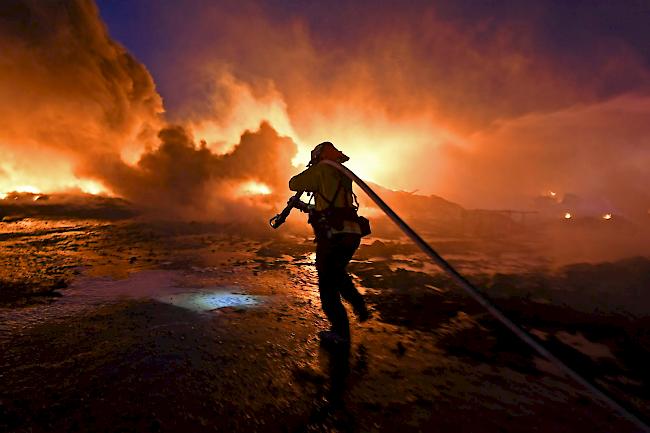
pixel 26 188
pixel 254 188
pixel 607 216
pixel 45 173
pixel 85 185
pixel 568 216
pixel 552 193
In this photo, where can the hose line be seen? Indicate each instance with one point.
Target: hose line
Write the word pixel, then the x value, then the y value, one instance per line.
pixel 473 292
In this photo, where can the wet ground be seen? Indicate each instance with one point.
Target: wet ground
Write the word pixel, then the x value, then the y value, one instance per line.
pixel 133 326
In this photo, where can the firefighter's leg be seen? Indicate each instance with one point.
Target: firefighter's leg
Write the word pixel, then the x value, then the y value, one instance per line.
pixel 349 292
pixel 328 286
pixel 352 295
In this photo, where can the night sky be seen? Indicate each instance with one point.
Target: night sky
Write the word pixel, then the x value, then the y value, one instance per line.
pixel 577 35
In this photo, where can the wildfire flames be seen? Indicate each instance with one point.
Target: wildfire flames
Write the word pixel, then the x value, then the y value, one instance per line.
pixel 79 112
pixel 79 185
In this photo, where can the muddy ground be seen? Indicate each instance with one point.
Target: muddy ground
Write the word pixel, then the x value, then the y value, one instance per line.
pixel 134 326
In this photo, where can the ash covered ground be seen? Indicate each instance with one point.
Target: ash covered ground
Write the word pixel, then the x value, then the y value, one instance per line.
pixel 124 324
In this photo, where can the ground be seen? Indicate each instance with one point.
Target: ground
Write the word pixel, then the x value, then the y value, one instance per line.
pixel 140 326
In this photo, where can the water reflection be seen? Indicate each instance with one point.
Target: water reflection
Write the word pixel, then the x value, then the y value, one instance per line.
pixel 206 301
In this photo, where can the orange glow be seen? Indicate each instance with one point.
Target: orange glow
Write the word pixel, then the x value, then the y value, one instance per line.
pixel 553 195
pixel 254 188
pixel 407 121
pixel 607 216
pixel 47 182
pixel 36 171
pixel 568 216
pixel 91 187
pixel 246 112
pixel 381 148
pixel 26 188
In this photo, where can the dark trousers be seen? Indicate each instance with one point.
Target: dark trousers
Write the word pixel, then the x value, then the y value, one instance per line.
pixel 332 258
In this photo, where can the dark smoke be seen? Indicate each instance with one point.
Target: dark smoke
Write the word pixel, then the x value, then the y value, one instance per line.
pixel 74 103
pixel 184 179
pixel 67 92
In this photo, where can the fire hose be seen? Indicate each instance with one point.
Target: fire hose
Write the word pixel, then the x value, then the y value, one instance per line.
pixel 473 292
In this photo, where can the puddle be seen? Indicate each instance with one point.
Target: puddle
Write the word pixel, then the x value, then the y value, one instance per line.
pixel 88 293
pixel 211 299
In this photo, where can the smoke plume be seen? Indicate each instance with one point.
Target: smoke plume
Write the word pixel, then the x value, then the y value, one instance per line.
pixel 68 93
pixel 182 179
pixel 488 105
pixel 77 111
pixel 446 98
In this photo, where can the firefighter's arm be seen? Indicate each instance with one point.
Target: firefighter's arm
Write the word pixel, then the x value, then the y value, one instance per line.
pixel 308 180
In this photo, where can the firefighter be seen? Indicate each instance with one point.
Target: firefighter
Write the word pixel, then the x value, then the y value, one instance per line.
pixel 338 234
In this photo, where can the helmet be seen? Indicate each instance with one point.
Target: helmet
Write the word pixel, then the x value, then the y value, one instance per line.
pixel 326 150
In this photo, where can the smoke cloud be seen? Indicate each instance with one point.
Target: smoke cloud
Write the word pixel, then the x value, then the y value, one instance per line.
pixel 68 93
pixel 488 105
pixel 77 111
pixel 599 151
pixel 446 98
pixel 182 179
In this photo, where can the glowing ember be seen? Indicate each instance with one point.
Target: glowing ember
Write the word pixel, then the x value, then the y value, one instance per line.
pixel 254 188
pixel 552 193
pixel 607 216
pixel 567 216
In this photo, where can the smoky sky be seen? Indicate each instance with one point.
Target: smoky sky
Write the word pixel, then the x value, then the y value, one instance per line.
pixel 571 51
pixel 485 103
pixel 488 103
pixel 74 103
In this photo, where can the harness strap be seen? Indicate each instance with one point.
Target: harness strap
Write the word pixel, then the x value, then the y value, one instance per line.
pixel 330 203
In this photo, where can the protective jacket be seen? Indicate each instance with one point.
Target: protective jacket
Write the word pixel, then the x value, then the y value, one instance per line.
pixel 331 188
